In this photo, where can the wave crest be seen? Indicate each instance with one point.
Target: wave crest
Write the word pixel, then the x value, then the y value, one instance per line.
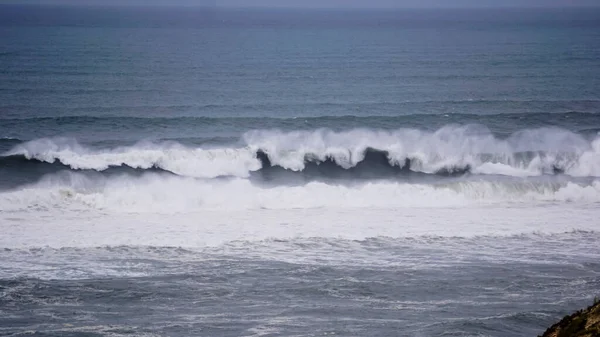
pixel 450 150
pixel 169 156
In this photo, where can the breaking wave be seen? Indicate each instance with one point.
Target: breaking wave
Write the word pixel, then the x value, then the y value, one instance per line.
pixel 451 150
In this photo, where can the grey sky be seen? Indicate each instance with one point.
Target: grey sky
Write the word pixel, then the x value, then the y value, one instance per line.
pixel 411 3
pixel 330 3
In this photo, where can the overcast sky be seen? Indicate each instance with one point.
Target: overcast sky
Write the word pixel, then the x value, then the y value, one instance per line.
pixel 329 3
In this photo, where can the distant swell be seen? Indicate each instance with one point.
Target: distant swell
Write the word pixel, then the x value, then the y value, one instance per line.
pixel 7 141
pixel 451 150
pixel 499 123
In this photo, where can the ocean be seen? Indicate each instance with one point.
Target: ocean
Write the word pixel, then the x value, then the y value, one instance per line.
pixel 174 171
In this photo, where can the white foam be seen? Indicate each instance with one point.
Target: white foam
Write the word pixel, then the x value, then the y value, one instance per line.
pixel 67 228
pixel 449 147
pixel 173 157
pixel 152 193
pixel 78 210
pixel 525 153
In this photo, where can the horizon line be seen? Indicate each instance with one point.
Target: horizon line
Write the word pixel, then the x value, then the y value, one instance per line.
pixel 116 5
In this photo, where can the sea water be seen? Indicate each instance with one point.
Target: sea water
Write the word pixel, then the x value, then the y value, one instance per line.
pixel 224 172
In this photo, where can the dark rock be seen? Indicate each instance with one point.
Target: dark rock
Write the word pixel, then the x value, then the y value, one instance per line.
pixel 583 323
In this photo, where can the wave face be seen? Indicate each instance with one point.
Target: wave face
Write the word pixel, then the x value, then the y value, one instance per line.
pixel 451 150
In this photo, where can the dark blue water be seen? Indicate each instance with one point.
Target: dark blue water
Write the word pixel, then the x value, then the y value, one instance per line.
pixel 128 132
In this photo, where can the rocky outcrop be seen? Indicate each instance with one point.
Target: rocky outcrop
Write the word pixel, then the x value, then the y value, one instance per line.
pixel 584 323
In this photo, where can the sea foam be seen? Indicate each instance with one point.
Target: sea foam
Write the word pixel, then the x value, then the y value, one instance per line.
pixel 453 148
